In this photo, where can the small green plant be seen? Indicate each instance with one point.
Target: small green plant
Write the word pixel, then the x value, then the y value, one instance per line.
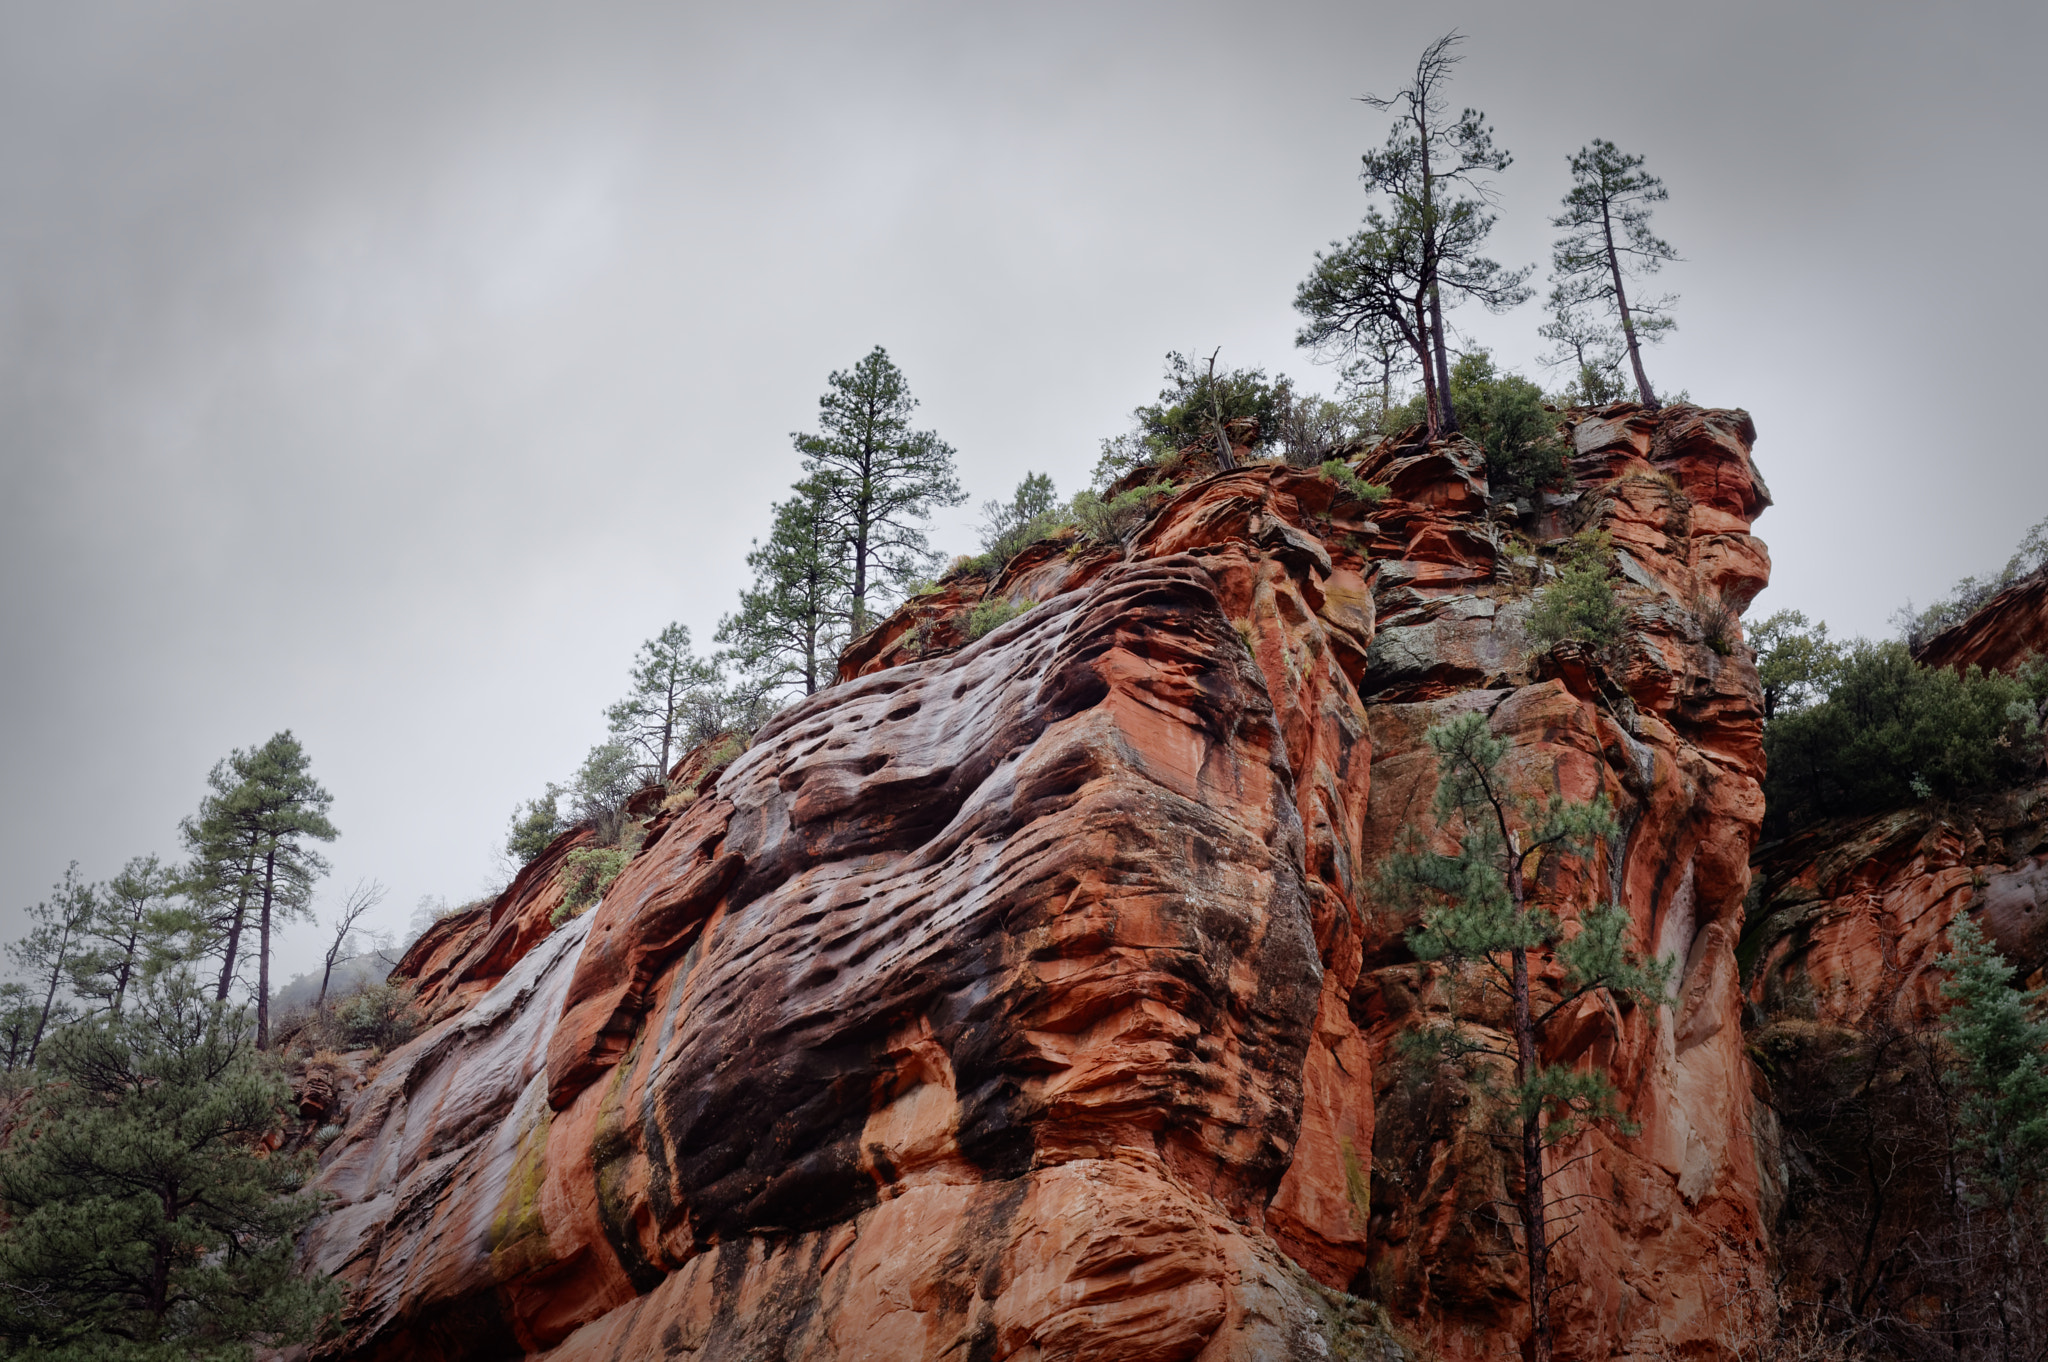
pixel 380 1017
pixel 1580 605
pixel 1717 623
pixel 1113 520
pixel 992 613
pixel 586 873
pixel 1339 472
pixel 538 825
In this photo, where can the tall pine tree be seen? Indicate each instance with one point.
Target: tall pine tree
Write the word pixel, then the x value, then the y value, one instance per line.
pixel 136 929
pixel 880 479
pixel 1432 169
pixel 1607 237
pixel 793 621
pixel 250 841
pixel 666 675
pixel 48 954
pixel 1476 910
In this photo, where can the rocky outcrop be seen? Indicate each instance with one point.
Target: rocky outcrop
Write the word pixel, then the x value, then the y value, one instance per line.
pixel 1853 914
pixel 1027 996
pixel 1998 635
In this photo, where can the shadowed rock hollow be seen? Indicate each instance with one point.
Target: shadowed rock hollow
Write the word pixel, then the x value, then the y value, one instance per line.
pixel 1028 1000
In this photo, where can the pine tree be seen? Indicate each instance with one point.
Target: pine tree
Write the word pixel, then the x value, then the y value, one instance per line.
pixel 1475 910
pixel 666 676
pixel 1607 237
pixel 1432 168
pixel 1369 295
pixel 250 840
pixel 2000 1032
pixel 1030 514
pixel 791 625
pixel 19 1013
pixel 48 955
pixel 535 826
pixel 225 849
pixel 146 1217
pixel 1589 348
pixel 136 929
pixel 879 478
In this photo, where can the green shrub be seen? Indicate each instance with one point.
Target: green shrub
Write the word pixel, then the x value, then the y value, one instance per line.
pixel 1113 520
pixel 586 873
pixel 1580 605
pixel 534 829
pixel 381 1016
pixel 1339 472
pixel 1503 414
pixel 1032 514
pixel 1186 412
pixel 992 613
pixel 1892 732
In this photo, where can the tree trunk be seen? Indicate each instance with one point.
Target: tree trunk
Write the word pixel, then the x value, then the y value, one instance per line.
pixel 263 952
pixel 126 971
pixel 1418 341
pixel 1535 1234
pixel 227 965
pixel 50 998
pixel 1443 368
pixel 1628 326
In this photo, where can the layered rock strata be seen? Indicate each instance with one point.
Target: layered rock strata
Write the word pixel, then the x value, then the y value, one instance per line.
pixel 2000 634
pixel 1027 997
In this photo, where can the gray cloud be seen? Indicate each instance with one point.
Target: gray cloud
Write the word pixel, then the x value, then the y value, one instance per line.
pixel 389 372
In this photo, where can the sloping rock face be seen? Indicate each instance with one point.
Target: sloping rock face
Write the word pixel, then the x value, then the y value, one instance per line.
pixel 1854 913
pixel 2000 634
pixel 1030 999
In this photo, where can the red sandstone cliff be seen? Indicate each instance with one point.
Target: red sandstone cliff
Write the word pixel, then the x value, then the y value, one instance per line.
pixel 1026 998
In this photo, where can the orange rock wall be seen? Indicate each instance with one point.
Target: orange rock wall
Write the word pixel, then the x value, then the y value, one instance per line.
pixel 1030 999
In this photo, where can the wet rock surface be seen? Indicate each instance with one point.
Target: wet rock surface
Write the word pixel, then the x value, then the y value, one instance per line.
pixel 1026 996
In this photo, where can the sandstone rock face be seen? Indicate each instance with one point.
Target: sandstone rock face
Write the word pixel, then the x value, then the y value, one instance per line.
pixel 1854 913
pixel 1027 997
pixel 2003 631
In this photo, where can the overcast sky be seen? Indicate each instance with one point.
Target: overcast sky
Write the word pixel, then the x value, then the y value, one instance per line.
pixel 390 372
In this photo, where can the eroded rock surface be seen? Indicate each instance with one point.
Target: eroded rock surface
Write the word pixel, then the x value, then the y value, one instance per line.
pixel 1026 997
pixel 2000 634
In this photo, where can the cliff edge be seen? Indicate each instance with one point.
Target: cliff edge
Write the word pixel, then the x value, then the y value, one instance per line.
pixel 1026 997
